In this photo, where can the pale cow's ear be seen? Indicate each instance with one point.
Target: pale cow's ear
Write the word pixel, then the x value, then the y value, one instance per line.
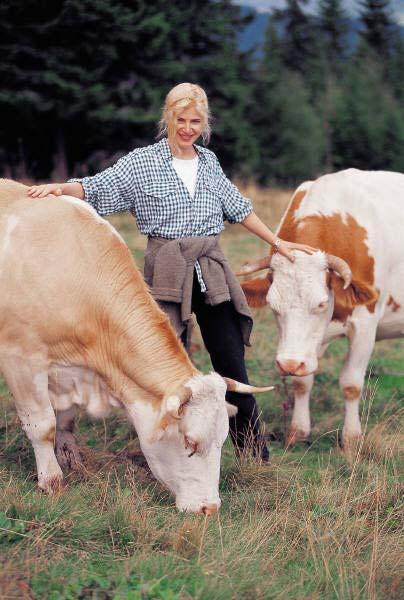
pixel 231 409
pixel 169 414
pixel 172 410
pixel 256 290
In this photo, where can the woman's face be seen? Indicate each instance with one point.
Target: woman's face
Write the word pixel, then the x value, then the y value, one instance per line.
pixel 188 128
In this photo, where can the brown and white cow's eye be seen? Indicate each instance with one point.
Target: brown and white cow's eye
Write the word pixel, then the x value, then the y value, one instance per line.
pixel 321 306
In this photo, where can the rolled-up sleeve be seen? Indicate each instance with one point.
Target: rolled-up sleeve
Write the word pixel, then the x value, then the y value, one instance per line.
pixel 235 206
pixel 113 190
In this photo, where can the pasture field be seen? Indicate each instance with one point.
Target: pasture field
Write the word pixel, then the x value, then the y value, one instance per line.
pixel 310 525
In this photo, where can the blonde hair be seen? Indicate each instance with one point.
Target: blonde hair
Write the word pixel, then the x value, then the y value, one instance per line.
pixel 180 97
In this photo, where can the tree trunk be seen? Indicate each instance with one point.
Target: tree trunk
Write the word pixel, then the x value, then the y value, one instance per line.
pixel 60 168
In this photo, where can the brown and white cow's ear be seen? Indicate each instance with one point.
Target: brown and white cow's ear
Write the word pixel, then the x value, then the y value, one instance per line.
pixel 256 290
pixel 231 409
pixel 357 293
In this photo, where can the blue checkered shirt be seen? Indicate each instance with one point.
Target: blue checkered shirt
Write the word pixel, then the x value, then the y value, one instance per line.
pixel 146 183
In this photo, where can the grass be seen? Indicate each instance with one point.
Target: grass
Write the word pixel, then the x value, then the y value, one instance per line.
pixel 310 525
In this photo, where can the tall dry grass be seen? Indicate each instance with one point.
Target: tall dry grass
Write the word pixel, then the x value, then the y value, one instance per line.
pixel 297 528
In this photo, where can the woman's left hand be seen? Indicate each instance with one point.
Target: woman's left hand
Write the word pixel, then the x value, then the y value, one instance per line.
pixel 285 249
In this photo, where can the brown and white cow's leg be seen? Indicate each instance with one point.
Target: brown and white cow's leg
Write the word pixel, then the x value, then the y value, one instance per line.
pixel 361 335
pixel 29 386
pixel 67 452
pixel 300 426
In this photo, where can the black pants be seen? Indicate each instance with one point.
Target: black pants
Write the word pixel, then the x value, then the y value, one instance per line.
pixel 222 337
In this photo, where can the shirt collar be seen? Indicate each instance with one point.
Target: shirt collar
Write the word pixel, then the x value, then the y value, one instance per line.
pixel 165 150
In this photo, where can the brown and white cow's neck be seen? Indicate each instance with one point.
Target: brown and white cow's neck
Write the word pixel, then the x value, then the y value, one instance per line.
pixel 324 215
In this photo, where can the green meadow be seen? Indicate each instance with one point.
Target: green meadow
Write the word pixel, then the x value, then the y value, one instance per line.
pixel 313 524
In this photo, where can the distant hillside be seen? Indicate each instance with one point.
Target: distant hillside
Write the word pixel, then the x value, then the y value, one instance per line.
pixel 252 37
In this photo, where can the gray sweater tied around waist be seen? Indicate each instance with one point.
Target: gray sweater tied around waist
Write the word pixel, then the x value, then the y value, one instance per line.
pixel 169 272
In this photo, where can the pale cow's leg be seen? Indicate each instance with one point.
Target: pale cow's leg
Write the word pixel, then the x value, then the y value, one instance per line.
pixel 361 335
pixel 67 452
pixel 29 386
pixel 300 426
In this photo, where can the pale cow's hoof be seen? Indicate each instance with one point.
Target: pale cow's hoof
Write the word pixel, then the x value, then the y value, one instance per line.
pixel 295 435
pixel 67 452
pixel 52 485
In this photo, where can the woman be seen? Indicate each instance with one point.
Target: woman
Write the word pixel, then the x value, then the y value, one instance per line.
pixel 180 198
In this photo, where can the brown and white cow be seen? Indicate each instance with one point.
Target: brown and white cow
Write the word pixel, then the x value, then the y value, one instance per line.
pixel 78 326
pixel 353 287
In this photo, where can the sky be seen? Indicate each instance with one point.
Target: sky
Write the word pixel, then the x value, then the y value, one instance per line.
pixel 351 6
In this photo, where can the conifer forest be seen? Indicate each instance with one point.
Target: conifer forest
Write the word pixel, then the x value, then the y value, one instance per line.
pixel 83 82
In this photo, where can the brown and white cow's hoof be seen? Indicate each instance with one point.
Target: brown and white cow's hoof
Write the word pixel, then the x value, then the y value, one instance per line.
pixel 295 435
pixel 351 443
pixel 67 452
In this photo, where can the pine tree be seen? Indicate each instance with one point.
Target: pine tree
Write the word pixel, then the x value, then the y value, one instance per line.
pixel 84 80
pixel 287 128
pixel 266 107
pixel 368 123
pixel 333 28
pixel 395 67
pixel 298 37
pixel 378 25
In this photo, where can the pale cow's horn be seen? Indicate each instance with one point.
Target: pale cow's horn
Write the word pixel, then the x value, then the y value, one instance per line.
pixel 338 265
pixel 255 265
pixel 244 388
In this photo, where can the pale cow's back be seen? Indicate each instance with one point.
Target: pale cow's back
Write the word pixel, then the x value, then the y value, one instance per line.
pixel 41 240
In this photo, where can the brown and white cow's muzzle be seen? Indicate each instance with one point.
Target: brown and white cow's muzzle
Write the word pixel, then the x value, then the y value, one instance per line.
pixel 299 367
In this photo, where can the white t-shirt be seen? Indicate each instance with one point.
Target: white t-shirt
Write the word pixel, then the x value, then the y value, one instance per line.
pixel 187 170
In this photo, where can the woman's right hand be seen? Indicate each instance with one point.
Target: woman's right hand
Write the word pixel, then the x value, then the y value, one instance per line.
pixel 43 190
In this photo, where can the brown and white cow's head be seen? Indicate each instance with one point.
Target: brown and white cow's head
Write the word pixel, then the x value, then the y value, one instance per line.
pixel 182 441
pixel 305 296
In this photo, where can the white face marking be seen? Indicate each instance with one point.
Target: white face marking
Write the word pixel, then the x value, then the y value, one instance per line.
pixel 194 480
pixel 303 306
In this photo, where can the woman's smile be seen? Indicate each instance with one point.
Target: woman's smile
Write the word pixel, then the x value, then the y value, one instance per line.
pixel 189 125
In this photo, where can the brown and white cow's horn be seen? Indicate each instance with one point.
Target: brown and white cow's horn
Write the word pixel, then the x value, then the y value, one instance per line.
pixel 244 388
pixel 255 265
pixel 338 265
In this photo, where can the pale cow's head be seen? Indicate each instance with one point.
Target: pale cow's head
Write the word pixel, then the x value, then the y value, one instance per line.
pixel 182 441
pixel 304 296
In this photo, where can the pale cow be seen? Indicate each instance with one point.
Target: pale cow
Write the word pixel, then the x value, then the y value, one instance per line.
pixel 354 287
pixel 78 326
